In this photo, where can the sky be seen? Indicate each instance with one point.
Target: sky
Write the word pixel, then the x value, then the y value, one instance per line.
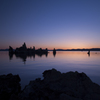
pixel 60 24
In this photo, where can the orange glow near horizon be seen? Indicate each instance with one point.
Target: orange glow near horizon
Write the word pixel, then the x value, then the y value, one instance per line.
pixel 52 46
pixel 64 47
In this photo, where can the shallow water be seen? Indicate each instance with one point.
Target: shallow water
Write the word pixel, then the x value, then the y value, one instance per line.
pixel 32 67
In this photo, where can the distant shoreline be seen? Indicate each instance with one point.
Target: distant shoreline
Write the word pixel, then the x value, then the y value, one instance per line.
pixel 4 49
pixel 92 49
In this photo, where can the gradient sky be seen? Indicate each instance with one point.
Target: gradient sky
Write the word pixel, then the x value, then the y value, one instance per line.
pixel 50 24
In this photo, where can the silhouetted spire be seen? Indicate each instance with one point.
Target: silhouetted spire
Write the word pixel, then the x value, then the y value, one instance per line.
pixel 54 52
pixel 33 48
pixel 24 46
pixel 10 49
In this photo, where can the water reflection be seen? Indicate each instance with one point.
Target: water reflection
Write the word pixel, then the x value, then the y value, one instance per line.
pixel 62 55
pixel 25 56
pixel 63 61
pixel 10 56
pixel 88 54
pixel 54 54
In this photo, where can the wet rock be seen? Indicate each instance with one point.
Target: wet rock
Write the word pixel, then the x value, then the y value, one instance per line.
pixel 51 75
pixel 67 97
pixel 9 84
pixel 54 86
pixel 61 86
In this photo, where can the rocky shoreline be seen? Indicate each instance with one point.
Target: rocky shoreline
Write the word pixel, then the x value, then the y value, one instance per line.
pixel 54 86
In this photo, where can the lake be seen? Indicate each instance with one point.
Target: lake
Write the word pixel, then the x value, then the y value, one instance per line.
pixel 32 67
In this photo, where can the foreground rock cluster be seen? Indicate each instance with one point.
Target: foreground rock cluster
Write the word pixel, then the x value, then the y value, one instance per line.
pixel 9 85
pixel 58 86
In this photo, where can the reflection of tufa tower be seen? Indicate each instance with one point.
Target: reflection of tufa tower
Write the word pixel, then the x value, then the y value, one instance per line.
pixel 54 52
pixel 88 53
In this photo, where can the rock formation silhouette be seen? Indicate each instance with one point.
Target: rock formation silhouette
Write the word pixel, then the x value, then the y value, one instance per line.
pixel 54 86
pixel 11 49
pixel 88 53
pixel 54 52
pixel 23 52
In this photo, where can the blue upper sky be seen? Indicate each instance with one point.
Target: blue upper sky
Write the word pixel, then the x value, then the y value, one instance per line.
pixel 50 23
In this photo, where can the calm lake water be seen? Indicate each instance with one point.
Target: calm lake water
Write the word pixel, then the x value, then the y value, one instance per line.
pixel 63 61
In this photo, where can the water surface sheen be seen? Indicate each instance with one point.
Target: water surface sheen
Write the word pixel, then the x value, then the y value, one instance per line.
pixel 31 67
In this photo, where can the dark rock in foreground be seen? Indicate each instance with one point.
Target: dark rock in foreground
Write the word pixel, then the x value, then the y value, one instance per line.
pixel 56 86
pixel 61 86
pixel 9 84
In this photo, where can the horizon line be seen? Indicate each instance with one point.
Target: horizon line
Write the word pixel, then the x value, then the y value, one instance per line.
pixel 62 49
